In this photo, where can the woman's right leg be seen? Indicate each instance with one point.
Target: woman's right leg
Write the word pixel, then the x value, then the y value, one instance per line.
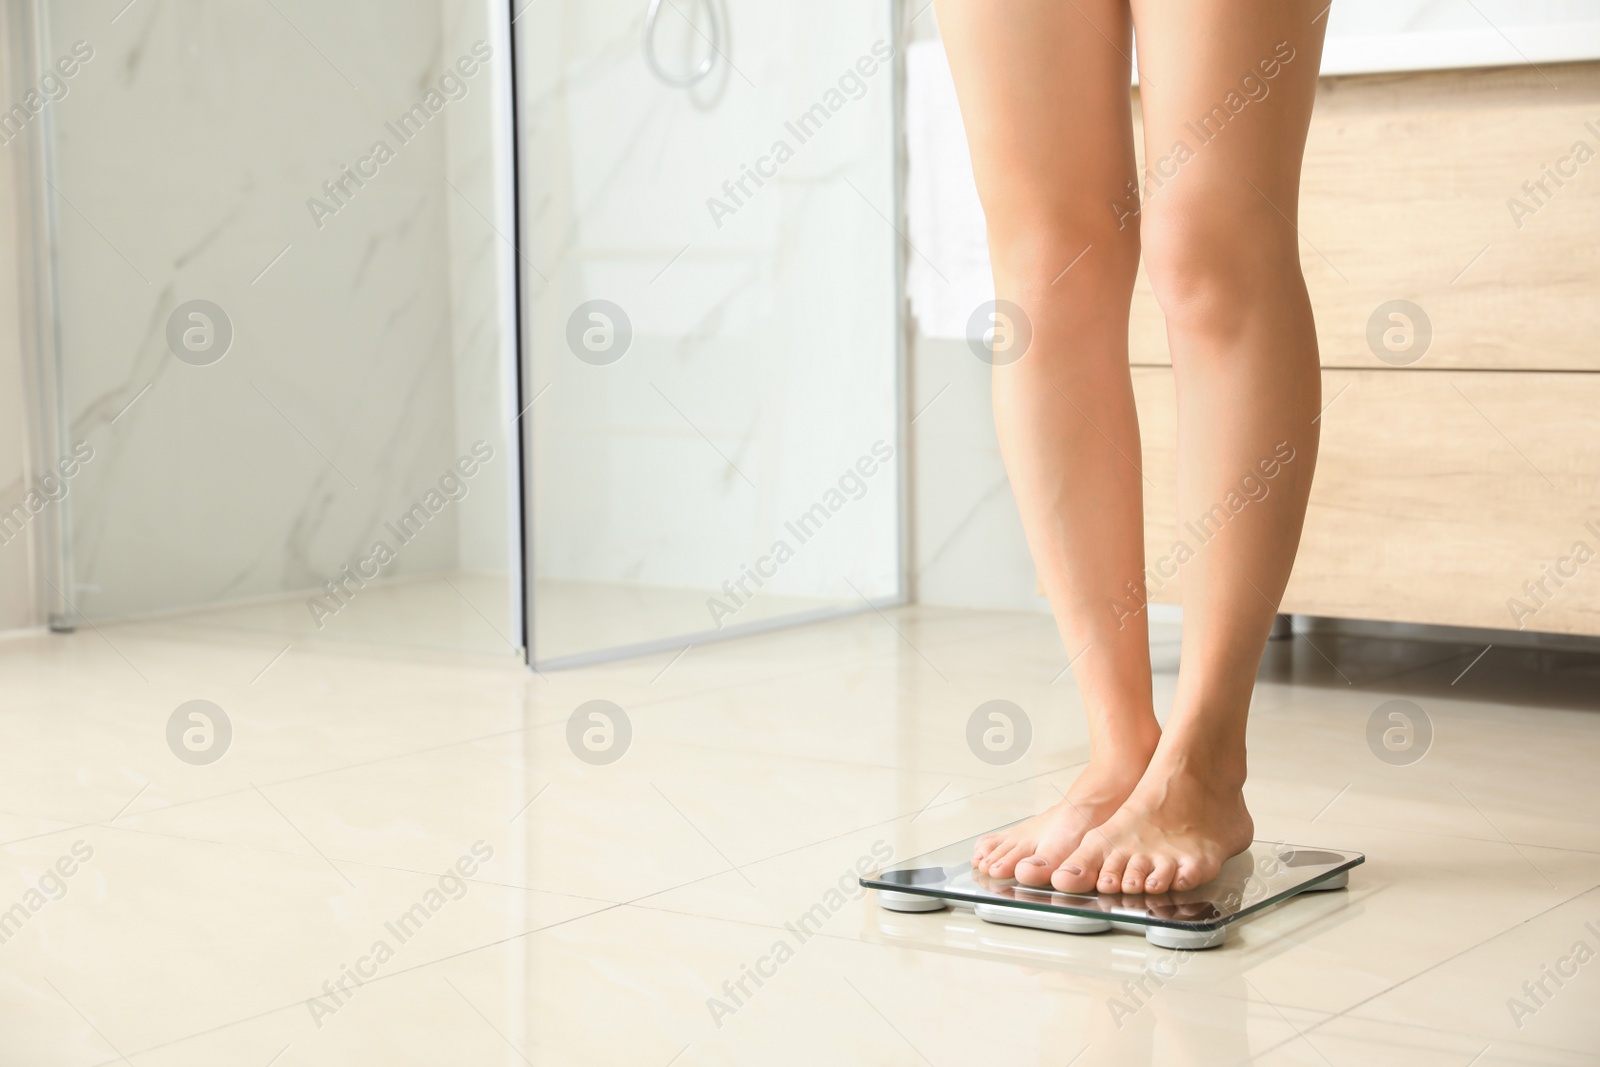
pixel 1044 91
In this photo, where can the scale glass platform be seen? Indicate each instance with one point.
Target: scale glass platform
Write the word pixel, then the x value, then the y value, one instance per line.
pixel 1263 876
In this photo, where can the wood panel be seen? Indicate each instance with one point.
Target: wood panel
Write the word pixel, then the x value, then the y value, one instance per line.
pixel 1405 196
pixel 1437 496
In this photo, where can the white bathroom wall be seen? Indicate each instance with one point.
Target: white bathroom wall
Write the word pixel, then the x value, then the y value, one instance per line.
pixel 763 359
pixel 970 550
pixel 362 365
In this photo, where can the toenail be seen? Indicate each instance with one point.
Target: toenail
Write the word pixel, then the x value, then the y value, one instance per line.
pixel 1034 861
pixel 1070 869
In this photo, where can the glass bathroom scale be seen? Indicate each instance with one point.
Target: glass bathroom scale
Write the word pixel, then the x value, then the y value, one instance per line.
pixel 1263 876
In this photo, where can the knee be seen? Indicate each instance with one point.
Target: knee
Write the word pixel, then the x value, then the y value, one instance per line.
pixel 1048 258
pixel 1210 265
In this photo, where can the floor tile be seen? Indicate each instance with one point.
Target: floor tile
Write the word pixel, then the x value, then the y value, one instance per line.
pixel 619 901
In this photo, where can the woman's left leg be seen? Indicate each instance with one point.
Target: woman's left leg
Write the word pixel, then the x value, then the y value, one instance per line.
pixel 1227 93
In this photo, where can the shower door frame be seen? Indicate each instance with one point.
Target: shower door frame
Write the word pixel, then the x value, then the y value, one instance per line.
pixel 45 423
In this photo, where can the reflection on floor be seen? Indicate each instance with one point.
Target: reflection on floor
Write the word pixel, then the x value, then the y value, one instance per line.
pixel 467 611
pixel 463 611
pixel 573 619
pixel 412 857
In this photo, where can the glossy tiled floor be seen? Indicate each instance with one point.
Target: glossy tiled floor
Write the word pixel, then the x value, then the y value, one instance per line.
pixel 210 908
pixel 470 612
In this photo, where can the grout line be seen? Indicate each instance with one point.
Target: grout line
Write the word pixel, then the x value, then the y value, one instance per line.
pixel 1434 966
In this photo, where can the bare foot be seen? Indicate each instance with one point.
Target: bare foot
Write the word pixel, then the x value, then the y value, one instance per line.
pixel 1182 821
pixel 1033 848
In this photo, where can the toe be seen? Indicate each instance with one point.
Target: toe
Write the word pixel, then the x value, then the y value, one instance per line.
pixel 984 848
pixel 1033 870
pixel 1111 872
pixel 1160 879
pixel 1135 874
pixel 1004 863
pixel 992 846
pixel 1078 873
pixel 1037 868
pixel 1191 873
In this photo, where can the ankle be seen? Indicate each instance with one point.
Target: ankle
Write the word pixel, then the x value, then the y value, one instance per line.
pixel 1217 764
pixel 1126 751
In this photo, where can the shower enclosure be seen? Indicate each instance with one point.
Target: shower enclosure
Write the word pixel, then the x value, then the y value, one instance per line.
pixel 710 277
pixel 550 329
pixel 273 311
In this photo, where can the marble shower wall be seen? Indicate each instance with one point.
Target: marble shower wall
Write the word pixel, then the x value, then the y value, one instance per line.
pixel 364 358
pixel 762 361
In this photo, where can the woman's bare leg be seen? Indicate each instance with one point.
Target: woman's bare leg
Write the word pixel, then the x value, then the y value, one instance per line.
pixel 1044 90
pixel 1232 83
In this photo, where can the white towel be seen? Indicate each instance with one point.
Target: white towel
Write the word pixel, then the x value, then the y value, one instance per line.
pixel 948 277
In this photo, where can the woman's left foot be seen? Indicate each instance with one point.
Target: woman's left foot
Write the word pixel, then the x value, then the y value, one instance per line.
pixel 1173 833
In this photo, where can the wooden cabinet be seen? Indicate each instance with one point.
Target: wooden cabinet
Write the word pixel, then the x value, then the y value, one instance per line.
pixel 1439 498
pixel 1463 488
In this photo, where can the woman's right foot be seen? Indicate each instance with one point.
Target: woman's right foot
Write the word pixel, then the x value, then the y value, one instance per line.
pixel 1031 850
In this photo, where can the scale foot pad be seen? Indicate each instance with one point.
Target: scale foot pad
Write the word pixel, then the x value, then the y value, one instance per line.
pixel 1056 922
pixel 1041 920
pixel 889 900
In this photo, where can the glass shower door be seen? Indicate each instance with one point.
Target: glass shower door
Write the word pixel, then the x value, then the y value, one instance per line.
pixel 710 281
pixel 285 307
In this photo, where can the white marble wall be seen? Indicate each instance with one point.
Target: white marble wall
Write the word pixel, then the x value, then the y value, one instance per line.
pixel 762 364
pixel 187 150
